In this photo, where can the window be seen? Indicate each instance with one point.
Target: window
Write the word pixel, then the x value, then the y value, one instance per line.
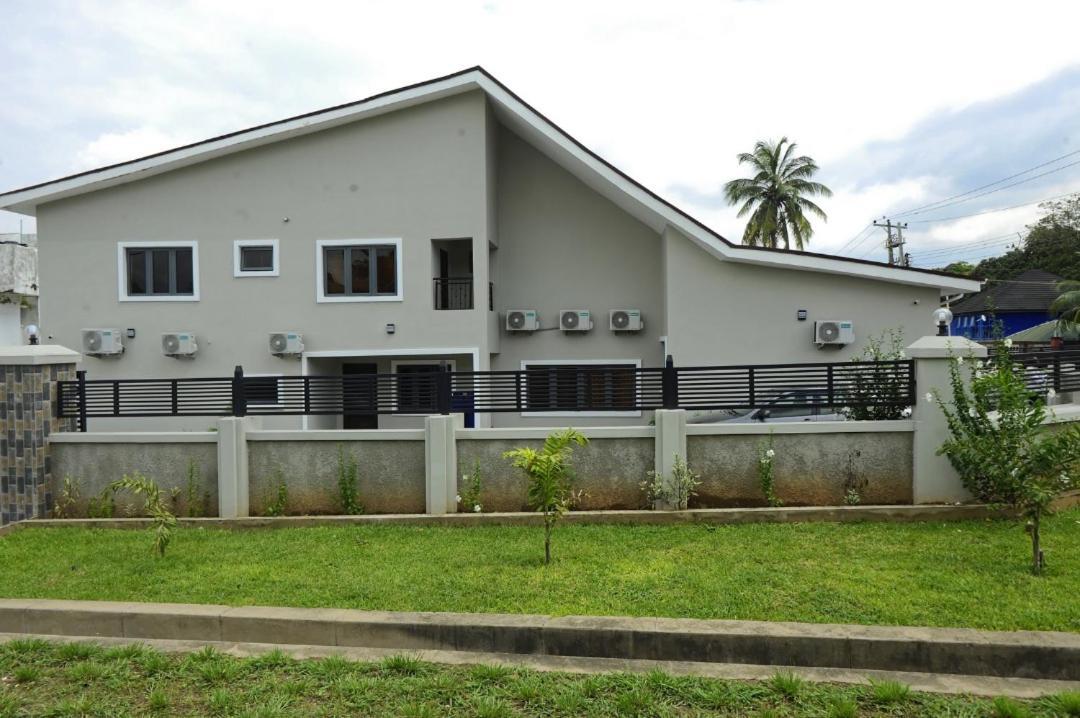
pixel 261 390
pixel 158 271
pixel 414 383
pixel 255 258
pixel 359 270
pixel 581 388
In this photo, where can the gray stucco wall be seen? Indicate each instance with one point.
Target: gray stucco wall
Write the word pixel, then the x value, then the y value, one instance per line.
pixel 563 246
pixel 95 465
pixel 722 312
pixel 390 475
pixel 809 469
pixel 609 471
pixel 417 174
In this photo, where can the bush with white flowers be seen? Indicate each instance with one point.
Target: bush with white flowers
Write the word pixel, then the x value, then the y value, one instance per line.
pixel 676 491
pixel 879 392
pixel 997 442
pixel 766 455
pixel 470 487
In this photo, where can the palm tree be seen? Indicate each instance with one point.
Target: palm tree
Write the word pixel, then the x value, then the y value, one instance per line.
pixel 1067 304
pixel 777 195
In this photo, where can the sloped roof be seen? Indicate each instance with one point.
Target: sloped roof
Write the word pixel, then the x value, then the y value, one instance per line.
pixel 1032 291
pixel 524 120
pixel 1043 333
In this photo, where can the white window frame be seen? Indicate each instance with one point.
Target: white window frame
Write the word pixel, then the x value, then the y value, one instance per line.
pixel 276 405
pixel 526 363
pixel 239 244
pixel 320 295
pixel 121 272
pixel 395 363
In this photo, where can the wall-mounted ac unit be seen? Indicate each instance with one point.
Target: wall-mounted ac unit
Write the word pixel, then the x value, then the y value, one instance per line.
pixel 833 332
pixel 626 320
pixel 522 320
pixel 575 320
pixel 286 343
pixel 179 344
pixel 102 342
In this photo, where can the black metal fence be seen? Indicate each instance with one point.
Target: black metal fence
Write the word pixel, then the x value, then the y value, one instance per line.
pixel 538 390
pixel 1046 370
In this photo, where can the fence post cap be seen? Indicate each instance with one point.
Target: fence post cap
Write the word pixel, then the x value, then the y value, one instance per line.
pixel 37 354
pixel 935 347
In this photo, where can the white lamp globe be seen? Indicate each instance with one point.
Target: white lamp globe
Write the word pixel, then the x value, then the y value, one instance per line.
pixel 942 315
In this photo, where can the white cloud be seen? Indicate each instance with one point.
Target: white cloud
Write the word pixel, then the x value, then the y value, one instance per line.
pixel 114 147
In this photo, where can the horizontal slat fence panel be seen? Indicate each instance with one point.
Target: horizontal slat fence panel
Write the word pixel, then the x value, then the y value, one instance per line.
pixel 554 389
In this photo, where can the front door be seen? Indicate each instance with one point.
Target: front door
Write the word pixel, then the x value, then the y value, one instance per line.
pixel 359 400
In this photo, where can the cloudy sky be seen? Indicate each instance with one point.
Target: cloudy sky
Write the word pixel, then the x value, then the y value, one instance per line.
pixel 902 104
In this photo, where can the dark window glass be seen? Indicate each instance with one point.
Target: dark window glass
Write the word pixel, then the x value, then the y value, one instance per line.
pixel 386 268
pixel 261 390
pixel 334 263
pixel 162 271
pixel 580 388
pixel 360 263
pixel 159 267
pixel 360 271
pixel 257 259
pixel 416 388
pixel 184 272
pixel 136 264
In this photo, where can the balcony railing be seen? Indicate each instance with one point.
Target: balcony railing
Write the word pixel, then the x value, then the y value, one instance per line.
pixel 453 292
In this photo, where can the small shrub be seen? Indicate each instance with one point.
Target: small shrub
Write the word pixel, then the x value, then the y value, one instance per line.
pixel 197 501
pixel 280 503
pixel 68 501
pixel 786 684
pixel 766 456
pixel 1003 707
pixel 471 485
pixel 881 392
pixel 678 491
pixel 997 444
pixel 852 498
pixel 348 475
pixel 890 692
pixel 164 520
pixel 102 506
pixel 550 480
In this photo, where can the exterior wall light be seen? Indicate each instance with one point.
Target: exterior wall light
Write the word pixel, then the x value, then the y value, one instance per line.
pixel 942 317
pixel 33 334
pixel 391 328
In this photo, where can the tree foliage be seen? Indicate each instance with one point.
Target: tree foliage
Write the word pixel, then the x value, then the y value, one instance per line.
pixel 777 196
pixel 1052 245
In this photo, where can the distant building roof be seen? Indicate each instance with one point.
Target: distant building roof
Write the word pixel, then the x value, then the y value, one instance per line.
pixel 1043 333
pixel 1032 291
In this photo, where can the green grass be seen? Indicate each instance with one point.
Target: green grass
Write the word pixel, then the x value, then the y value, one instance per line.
pixel 404 686
pixel 930 574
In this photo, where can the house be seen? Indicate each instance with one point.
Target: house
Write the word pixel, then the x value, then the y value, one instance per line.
pixel 1010 306
pixel 422 227
pixel 18 286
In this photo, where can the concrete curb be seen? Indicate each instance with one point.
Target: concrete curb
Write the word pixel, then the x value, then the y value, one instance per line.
pixel 836 514
pixel 1021 654
pixel 1026 688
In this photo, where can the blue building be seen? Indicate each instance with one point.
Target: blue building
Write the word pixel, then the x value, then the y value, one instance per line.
pixel 1011 304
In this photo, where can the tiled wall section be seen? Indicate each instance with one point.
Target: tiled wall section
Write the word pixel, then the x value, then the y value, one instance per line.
pixel 27 417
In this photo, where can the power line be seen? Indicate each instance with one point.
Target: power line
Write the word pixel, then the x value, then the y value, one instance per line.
pixel 991 211
pixel 935 205
pixel 855 238
pixel 974 245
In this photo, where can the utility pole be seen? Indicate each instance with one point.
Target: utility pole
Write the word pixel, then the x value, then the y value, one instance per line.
pixel 894 241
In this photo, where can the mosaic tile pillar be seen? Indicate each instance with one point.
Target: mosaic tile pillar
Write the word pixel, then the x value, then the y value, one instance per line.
pixel 28 389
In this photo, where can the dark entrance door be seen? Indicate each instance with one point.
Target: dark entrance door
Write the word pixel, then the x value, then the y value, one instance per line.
pixel 359 399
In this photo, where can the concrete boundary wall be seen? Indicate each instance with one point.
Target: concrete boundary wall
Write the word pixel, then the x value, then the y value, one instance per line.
pixel 1022 654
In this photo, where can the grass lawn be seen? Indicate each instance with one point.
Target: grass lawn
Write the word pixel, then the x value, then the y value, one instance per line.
pixel 82 679
pixel 931 574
